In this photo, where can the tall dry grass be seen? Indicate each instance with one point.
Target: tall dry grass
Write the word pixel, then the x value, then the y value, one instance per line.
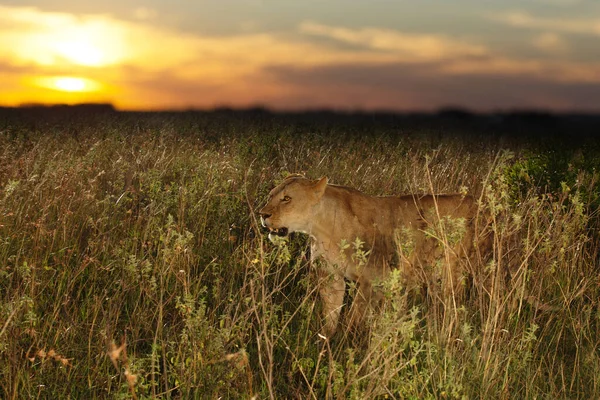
pixel 132 266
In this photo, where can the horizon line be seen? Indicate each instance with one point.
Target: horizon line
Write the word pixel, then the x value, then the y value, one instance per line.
pixel 444 110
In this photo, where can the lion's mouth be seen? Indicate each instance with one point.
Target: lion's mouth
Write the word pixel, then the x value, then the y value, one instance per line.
pixel 281 232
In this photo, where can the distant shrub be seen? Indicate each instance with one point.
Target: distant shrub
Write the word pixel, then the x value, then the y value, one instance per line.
pixel 554 172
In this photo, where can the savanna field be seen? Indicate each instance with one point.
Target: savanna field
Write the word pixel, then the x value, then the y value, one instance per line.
pixel 132 264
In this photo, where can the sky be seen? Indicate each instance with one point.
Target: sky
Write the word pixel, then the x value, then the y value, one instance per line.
pixel 483 55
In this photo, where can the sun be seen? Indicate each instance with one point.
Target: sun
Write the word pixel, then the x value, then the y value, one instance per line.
pixel 68 84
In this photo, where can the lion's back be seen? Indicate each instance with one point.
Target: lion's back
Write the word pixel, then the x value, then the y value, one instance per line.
pixel 377 219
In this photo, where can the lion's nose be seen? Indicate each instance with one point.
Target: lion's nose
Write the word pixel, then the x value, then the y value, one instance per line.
pixel 264 214
pixel 263 218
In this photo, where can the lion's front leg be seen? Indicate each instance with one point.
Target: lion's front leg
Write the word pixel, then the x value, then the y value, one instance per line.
pixel 332 289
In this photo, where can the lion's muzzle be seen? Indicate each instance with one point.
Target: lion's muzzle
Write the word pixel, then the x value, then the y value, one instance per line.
pixel 281 232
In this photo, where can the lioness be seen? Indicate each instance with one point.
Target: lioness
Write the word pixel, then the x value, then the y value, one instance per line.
pixel 408 232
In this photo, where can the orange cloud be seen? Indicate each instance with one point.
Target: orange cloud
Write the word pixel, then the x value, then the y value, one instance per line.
pixel 454 57
pixel 581 26
pixel 540 70
pixel 411 47
pixel 550 42
pixel 120 53
pixel 61 57
pixel 44 38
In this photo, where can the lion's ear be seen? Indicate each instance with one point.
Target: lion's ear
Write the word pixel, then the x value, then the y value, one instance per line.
pixel 320 187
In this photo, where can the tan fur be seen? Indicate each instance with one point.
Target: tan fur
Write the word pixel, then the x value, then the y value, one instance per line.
pixel 398 232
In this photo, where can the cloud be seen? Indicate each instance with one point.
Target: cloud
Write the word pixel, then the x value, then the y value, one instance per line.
pixel 121 53
pixel 144 13
pixel 540 70
pixel 401 86
pixel 415 47
pixel 47 38
pixel 29 35
pixel 560 3
pixel 453 57
pixel 580 26
pixel 142 64
pixel 550 42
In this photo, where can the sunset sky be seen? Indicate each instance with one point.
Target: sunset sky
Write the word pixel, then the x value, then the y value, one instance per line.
pixel 290 54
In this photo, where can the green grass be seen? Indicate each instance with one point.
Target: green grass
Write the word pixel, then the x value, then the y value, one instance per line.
pixel 131 264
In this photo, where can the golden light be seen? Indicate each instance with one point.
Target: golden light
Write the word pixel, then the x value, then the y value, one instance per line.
pixel 82 52
pixel 28 35
pixel 68 84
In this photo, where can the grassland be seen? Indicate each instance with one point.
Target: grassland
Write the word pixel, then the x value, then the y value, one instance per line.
pixel 131 264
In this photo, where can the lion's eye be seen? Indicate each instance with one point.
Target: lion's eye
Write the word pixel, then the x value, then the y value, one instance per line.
pixel 286 199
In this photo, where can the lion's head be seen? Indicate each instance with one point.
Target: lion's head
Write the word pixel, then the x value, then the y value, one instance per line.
pixel 290 205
